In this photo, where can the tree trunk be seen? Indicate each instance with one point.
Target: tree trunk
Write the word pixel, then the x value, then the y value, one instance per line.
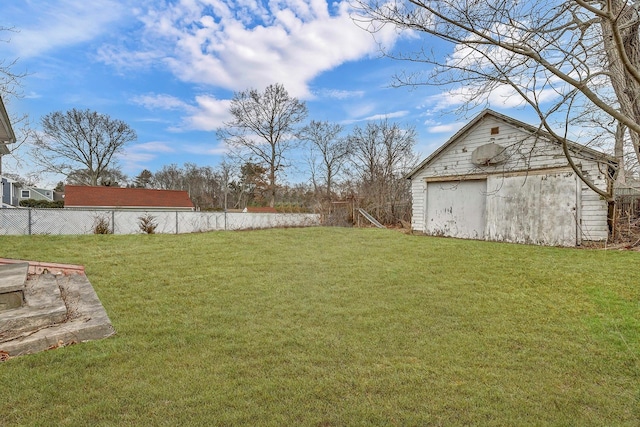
pixel 624 30
pixel 618 152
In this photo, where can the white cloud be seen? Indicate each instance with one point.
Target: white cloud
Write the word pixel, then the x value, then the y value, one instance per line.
pixel 207 114
pixel 62 23
pixel 138 156
pixel 394 115
pixel 206 150
pixel 153 147
pixel 503 96
pixel 535 83
pixel 445 128
pixel 238 45
pixel 161 101
pixel 123 59
pixel 210 114
pixel 341 94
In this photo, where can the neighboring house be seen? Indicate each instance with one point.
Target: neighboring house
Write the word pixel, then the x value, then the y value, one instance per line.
pixel 13 192
pixel 503 180
pixel 76 196
pixel 10 192
pixel 34 193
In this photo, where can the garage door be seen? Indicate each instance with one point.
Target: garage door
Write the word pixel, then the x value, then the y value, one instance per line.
pixel 456 208
pixel 538 209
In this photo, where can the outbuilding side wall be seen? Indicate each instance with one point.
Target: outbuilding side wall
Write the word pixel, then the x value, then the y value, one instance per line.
pixel 594 209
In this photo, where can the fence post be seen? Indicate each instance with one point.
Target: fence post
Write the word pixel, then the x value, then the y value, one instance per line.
pixel 176 222
pixel 113 222
pixel 29 226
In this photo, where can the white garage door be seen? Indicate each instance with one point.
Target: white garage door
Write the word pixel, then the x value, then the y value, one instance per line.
pixel 456 208
pixel 538 209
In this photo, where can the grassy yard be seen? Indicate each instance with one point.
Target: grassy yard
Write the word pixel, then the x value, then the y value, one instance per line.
pixel 337 327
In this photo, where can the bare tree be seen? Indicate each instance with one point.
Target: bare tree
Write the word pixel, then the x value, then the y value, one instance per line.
pixel 112 177
pixel 169 177
pixel 262 129
pixel 205 184
pixel 30 180
pixel 10 88
pixel 382 155
pixel 81 139
pixel 559 57
pixel 328 152
pixel 225 169
pixel 9 79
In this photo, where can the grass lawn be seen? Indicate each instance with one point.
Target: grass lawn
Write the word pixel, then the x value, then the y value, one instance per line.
pixel 337 327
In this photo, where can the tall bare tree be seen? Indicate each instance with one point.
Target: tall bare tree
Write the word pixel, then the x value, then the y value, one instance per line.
pixel 328 153
pixel 9 78
pixel 382 154
pixel 81 139
pixel 112 177
pixel 262 129
pixel 10 88
pixel 559 57
pixel 169 177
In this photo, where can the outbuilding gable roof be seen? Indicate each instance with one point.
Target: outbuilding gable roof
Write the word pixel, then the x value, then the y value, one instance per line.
pixel 573 146
pixel 86 196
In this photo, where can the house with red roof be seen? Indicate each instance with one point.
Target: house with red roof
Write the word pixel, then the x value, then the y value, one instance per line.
pixel 77 196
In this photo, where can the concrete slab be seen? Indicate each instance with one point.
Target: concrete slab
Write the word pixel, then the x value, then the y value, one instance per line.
pixel 13 277
pixel 43 307
pixel 62 309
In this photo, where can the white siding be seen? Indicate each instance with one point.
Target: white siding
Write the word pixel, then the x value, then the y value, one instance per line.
pixel 523 151
pixel 593 225
pixel 418 203
pixel 526 156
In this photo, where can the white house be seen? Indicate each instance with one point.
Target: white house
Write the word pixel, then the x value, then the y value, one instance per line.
pixel 504 180
pixel 6 137
pixel 6 131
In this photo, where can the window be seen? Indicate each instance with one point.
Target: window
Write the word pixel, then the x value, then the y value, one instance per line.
pixel 495 131
pixel 25 194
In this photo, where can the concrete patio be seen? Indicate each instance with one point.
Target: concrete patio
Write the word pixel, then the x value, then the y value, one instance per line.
pixel 45 306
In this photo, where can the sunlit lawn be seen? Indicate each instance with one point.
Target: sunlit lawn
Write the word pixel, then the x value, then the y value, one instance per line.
pixel 337 327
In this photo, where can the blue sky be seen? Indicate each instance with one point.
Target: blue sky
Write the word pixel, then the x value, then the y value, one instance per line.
pixel 169 68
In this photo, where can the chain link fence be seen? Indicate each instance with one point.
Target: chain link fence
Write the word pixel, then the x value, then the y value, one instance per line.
pixel 81 221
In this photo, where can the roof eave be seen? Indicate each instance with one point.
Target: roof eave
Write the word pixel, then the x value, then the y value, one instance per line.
pixel 573 146
pixel 449 141
pixel 7 136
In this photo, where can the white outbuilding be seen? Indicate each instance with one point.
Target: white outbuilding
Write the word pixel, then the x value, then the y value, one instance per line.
pixel 501 179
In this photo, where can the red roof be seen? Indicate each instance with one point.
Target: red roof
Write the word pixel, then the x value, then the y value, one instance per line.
pixel 116 197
